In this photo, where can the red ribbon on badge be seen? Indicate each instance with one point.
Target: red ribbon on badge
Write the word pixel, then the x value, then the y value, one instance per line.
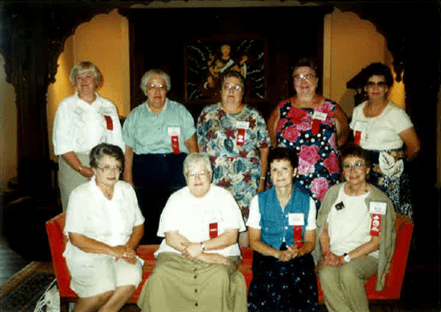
pixel 315 126
pixel 109 122
pixel 375 224
pixel 298 236
pixel 240 139
pixel 213 230
pixel 357 137
pixel 175 144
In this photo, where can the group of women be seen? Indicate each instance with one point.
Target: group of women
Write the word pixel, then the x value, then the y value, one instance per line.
pixel 207 196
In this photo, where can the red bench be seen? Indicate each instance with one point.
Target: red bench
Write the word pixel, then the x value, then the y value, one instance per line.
pixel 391 291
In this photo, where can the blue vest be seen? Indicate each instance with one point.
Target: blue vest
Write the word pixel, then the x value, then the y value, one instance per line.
pixel 274 221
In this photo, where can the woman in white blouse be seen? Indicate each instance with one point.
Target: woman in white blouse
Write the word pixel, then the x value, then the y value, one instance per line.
pixel 82 121
pixel 104 226
pixel 387 133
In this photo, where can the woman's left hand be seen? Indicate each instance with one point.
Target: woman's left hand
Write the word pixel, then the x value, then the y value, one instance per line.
pixel 192 250
pixel 331 259
pixel 289 254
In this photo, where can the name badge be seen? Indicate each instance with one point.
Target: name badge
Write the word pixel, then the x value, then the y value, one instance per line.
pixel 296 219
pixel 242 125
pixel 319 115
pixel 360 126
pixel 377 208
pixel 174 131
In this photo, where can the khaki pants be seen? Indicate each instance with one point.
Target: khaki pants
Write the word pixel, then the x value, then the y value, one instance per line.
pixel 69 179
pixel 344 287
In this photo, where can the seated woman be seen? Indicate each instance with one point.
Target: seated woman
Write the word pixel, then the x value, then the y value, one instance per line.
pixel 196 262
pixel 282 233
pixel 104 226
pixel 356 233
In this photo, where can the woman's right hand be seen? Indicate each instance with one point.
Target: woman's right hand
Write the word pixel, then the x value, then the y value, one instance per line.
pixel 86 172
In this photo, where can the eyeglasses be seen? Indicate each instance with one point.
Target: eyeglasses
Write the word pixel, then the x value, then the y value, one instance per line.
pixel 301 77
pixel 201 175
pixel 357 166
pixel 153 86
pixel 228 87
pixel 381 84
pixel 108 169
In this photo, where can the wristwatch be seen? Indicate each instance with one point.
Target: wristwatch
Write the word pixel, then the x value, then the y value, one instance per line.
pixel 346 257
pixel 203 246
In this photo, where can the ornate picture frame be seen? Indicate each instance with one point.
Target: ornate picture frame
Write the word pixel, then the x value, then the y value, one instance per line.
pixel 206 59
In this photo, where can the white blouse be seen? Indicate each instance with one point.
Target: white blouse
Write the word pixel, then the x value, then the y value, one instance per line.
pixel 91 214
pixel 381 132
pixel 80 126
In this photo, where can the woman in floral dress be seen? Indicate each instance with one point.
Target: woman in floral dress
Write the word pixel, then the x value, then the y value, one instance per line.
pixel 312 126
pixel 235 137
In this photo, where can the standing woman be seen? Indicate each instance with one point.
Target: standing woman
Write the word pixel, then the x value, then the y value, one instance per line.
pixel 282 234
pixel 158 135
pixel 235 137
pixel 312 126
pixel 82 121
pixel 387 133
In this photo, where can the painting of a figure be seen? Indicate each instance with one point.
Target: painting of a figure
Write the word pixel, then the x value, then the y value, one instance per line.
pixel 207 60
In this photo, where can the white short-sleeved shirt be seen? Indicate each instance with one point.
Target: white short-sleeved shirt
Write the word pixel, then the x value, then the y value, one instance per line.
pixel 150 133
pixel 349 227
pixel 255 216
pixel 91 214
pixel 381 132
pixel 80 126
pixel 191 217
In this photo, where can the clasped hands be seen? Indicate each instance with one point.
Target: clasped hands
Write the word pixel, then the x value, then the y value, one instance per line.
pixel 194 251
pixel 124 252
pixel 289 254
pixel 331 259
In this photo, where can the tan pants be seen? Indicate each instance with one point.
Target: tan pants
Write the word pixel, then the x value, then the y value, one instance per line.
pixel 69 179
pixel 344 287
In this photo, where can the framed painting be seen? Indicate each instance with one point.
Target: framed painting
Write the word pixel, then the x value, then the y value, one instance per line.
pixel 207 59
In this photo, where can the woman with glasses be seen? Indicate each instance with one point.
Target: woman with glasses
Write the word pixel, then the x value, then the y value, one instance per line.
pixel 82 121
pixel 312 126
pixel 158 135
pixel 355 235
pixel 196 263
pixel 104 226
pixel 235 137
pixel 386 131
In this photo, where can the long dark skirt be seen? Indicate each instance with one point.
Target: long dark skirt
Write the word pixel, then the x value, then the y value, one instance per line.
pixel 156 177
pixel 283 286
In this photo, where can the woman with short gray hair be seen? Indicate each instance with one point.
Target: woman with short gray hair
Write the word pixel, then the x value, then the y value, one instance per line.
pixel 196 263
pixel 158 135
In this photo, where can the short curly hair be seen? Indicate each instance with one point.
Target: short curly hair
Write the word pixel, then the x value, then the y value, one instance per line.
pixel 105 149
pixel 281 153
pixel 378 69
pixel 155 72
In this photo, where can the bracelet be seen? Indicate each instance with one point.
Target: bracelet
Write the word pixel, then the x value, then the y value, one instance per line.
pixel 262 178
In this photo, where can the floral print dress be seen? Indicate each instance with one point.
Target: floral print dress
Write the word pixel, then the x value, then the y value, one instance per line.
pixel 312 134
pixel 233 141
